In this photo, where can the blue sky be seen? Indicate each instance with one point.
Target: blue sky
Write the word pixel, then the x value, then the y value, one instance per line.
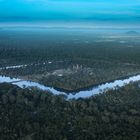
pixel 122 11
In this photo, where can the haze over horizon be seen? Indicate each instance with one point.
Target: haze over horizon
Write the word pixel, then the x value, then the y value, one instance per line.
pixel 72 12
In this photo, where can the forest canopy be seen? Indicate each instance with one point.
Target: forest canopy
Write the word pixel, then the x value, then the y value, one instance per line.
pixel 36 115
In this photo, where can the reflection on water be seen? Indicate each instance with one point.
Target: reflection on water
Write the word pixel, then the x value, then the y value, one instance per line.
pixel 82 94
pixel 13 67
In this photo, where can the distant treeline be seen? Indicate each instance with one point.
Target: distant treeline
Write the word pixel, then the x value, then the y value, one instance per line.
pixel 24 47
pixel 107 60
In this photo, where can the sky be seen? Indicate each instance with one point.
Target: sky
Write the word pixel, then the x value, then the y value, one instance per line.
pixel 86 11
